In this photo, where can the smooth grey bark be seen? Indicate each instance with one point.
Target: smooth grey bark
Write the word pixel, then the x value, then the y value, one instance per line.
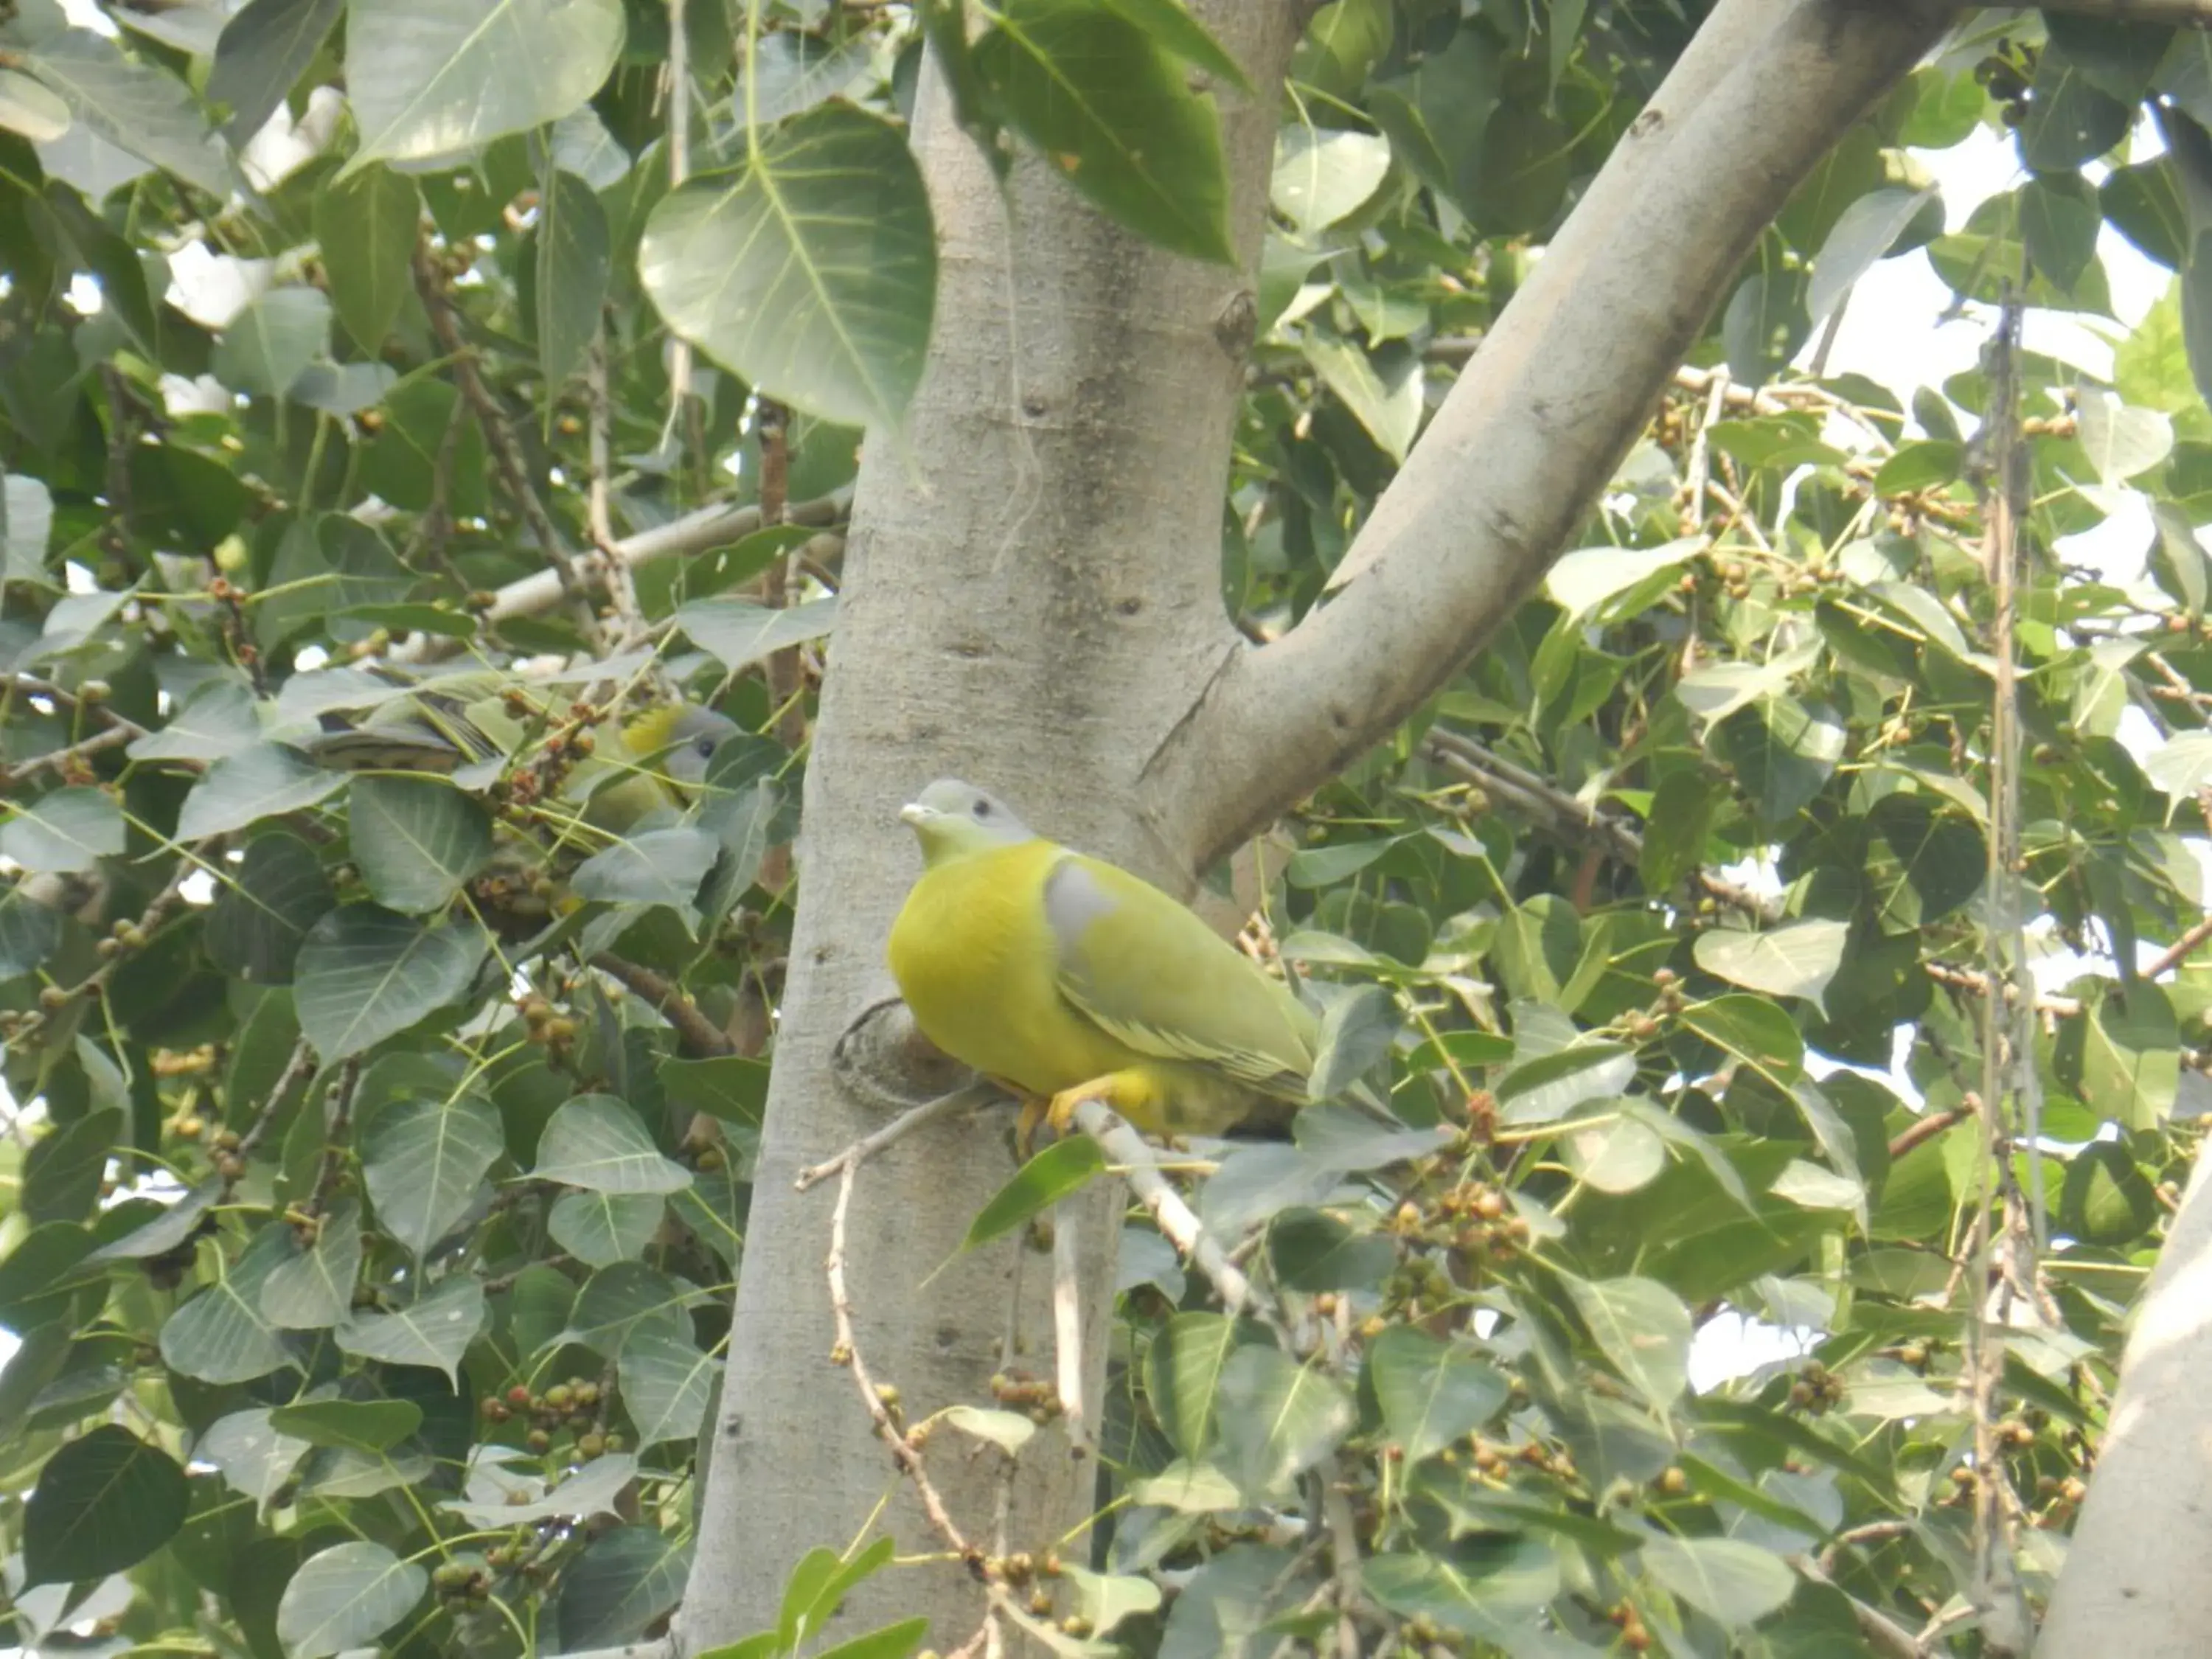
pixel 1032 598
pixel 2135 1568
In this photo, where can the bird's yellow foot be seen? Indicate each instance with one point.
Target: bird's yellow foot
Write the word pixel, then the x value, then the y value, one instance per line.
pixel 1130 1093
pixel 1036 1109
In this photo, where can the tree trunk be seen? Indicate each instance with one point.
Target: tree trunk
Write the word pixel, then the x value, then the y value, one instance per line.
pixel 2132 1569
pixel 1032 598
pixel 1032 602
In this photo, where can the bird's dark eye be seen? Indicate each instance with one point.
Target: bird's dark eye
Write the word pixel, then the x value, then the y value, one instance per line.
pixel 982 809
pixel 704 746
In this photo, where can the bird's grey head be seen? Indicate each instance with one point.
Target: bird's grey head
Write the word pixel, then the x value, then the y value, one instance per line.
pixel 952 817
pixel 696 733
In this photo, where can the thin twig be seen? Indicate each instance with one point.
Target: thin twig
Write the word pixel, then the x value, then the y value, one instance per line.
pixel 847 1353
pixel 301 1062
pixel 913 1118
pixel 701 1039
pixel 1884 1635
pixel 698 532
pixel 1124 1148
pixel 98 710
pixel 597 515
pixel 2176 953
pixel 1926 1128
pixel 505 451
pixel 1995 1588
pixel 1344 1558
pixel 64 758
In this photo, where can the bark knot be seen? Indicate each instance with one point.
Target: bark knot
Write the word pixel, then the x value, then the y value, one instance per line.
pixel 882 1060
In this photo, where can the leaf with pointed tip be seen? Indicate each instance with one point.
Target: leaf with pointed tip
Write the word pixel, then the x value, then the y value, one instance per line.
pixel 260 782
pixel 262 917
pixel 312 1289
pixel 435 1332
pixel 1642 1328
pixel 623 1580
pixel 666 1383
pixel 216 721
pixel 598 1142
pixel 222 1335
pixel 1060 1169
pixel 424 1161
pixel 133 105
pixel 262 51
pixel 368 228
pixel 811 271
pixel 1091 91
pixel 1432 1392
pixel 739 633
pixel 1796 961
pixel 1278 1418
pixel 601 1228
pixel 416 840
pixel 1738 1583
pixel 575 260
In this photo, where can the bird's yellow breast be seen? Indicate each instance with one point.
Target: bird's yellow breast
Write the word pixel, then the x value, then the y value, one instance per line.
pixel 974 958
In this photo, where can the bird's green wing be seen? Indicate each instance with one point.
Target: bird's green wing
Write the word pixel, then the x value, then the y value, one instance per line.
pixel 1155 977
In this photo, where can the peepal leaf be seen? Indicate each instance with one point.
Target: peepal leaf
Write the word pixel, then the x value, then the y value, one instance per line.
pixel 366 972
pixel 666 1383
pixel 67 832
pixel 1323 174
pixel 657 867
pixel 368 1426
pixel 600 1229
pixel 811 271
pixel 1797 960
pixel 222 1335
pixel 103 1502
pixel 436 1332
pixel 345 1597
pixel 596 1142
pixel 739 633
pixel 1279 1418
pixel 423 1160
pixel 133 105
pixel 622 1582
pixel 1091 91
pixel 434 77
pixel 1642 1328
pixel 1737 1584
pixel 1051 1175
pixel 251 784
pixel 416 840
pixel 313 1289
pixel 1431 1391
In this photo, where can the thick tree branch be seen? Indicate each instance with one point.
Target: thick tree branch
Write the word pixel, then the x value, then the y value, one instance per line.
pixel 2187 14
pixel 1551 402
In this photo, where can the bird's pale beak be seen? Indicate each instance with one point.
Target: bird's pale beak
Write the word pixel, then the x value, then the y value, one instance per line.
pixel 915 813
